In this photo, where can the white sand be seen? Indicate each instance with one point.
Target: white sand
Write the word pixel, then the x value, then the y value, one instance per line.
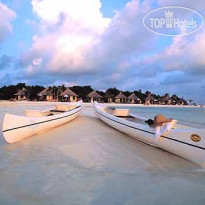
pixel 88 162
pixel 45 103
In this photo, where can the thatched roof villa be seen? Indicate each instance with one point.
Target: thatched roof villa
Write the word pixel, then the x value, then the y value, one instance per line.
pixel 121 98
pixel 182 101
pixel 46 94
pixel 134 99
pixel 150 100
pixel 166 100
pixel 21 94
pixel 94 96
pixel 110 98
pixel 69 96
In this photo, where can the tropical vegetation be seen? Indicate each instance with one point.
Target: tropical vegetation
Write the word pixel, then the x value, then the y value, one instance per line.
pixel 8 92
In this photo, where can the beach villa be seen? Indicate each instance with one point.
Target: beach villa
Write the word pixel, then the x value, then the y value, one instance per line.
pixel 181 101
pixel 121 98
pixel 69 96
pixel 134 99
pixel 150 100
pixel 46 95
pixel 21 94
pixel 94 96
pixel 166 100
pixel 110 98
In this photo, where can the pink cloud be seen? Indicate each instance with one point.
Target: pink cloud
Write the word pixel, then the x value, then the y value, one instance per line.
pixel 6 17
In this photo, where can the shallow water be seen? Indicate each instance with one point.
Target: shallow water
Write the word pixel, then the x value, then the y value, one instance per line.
pixel 94 164
pixel 190 116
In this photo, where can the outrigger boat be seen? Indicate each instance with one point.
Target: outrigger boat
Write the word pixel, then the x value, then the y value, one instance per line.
pixel 17 128
pixel 184 141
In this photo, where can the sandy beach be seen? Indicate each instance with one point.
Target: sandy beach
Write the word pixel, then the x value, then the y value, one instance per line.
pixel 9 103
pixel 87 162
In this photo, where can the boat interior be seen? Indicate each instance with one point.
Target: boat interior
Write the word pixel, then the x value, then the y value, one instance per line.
pixel 125 114
pixel 46 113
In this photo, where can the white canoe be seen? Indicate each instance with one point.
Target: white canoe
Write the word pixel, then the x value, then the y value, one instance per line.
pixel 17 128
pixel 183 141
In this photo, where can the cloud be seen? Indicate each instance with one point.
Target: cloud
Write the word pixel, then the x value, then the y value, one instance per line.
pixel 6 17
pixel 5 61
pixel 68 30
pixel 76 43
pixel 87 13
pixel 75 39
pixel 183 55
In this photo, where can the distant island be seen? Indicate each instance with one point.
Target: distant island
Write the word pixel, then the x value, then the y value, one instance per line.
pixel 62 93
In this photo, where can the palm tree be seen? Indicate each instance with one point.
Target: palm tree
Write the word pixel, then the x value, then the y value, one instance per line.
pixel 148 93
pixel 60 89
pixel 175 97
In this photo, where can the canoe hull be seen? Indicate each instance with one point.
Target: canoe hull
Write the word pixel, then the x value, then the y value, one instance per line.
pixel 17 128
pixel 176 141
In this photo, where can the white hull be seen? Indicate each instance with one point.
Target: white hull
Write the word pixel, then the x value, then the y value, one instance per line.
pixel 178 141
pixel 17 128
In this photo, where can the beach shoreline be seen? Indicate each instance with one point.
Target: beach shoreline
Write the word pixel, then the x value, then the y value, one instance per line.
pixel 44 103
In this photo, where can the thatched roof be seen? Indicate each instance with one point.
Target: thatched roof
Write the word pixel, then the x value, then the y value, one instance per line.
pixel 133 97
pixel 45 92
pixel 21 92
pixel 182 100
pixel 150 98
pixel 165 98
pixel 94 94
pixel 120 96
pixel 68 92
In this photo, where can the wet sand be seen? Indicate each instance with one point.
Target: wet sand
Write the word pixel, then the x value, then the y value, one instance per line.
pixel 87 162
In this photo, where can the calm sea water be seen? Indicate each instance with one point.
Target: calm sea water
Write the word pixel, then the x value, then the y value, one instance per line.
pixel 194 117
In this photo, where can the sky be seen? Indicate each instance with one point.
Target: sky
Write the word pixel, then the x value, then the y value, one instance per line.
pixel 102 43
